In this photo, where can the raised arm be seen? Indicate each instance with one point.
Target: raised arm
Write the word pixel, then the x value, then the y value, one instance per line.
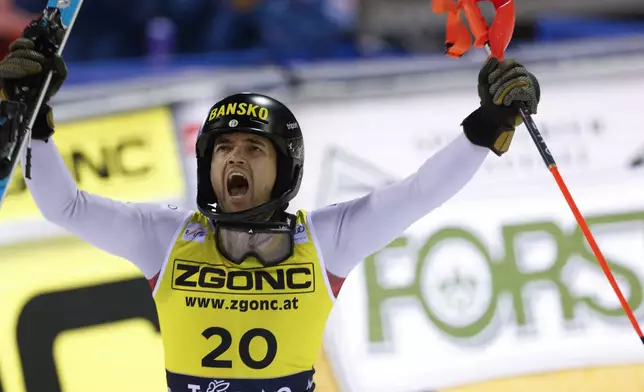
pixel 348 232
pixel 138 232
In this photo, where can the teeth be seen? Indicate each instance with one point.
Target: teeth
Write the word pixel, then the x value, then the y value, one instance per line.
pixel 236 174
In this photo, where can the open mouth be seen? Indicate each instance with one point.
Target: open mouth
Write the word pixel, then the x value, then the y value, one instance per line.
pixel 237 184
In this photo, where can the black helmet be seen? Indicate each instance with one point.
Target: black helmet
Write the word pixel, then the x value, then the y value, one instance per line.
pixel 260 115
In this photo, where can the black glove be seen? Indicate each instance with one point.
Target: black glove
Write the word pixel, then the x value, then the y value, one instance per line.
pixel 501 86
pixel 23 71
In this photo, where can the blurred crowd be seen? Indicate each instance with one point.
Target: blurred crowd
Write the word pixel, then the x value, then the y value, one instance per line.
pixel 117 29
pixel 278 30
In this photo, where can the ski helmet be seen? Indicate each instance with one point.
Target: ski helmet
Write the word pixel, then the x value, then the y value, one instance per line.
pixel 261 115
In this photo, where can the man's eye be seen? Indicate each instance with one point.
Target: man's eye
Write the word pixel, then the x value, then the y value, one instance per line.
pixel 222 147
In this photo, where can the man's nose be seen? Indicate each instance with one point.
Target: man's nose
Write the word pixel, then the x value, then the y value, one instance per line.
pixel 236 157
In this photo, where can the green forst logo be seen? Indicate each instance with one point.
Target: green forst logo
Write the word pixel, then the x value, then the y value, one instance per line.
pixel 468 288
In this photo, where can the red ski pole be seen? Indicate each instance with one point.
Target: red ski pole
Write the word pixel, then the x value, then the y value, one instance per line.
pixel 496 39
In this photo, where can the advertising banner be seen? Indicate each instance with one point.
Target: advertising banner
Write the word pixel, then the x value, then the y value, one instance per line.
pixel 496 289
pixel 129 156
pixel 76 319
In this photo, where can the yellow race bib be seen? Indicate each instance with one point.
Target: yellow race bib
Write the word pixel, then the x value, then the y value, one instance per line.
pixel 245 325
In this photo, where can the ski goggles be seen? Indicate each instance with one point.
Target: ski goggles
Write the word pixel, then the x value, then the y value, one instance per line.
pixel 269 243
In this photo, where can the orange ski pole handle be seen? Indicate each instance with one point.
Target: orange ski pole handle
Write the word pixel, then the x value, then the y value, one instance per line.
pixel 499 34
pixel 458 38
pixel 443 6
pixel 502 28
pixel 476 22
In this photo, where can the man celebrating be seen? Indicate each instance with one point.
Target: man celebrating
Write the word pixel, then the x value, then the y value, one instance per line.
pixel 242 287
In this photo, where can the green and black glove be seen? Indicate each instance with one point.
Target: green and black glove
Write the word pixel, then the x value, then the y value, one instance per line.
pixel 23 72
pixel 501 85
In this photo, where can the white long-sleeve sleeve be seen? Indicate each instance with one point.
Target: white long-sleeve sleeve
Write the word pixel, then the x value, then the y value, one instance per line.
pixel 348 232
pixel 138 232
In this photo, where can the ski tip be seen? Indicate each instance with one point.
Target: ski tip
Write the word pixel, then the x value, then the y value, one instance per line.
pixel 67 9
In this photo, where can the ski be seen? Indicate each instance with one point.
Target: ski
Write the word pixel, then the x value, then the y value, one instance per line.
pixel 17 118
